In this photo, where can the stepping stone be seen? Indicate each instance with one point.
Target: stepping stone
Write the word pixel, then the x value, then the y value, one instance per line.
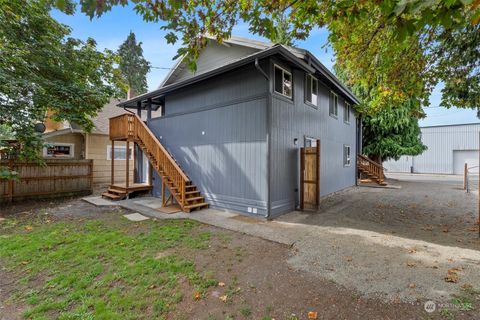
pixel 135 217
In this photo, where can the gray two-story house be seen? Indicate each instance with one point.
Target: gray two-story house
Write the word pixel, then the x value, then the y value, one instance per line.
pixel 237 124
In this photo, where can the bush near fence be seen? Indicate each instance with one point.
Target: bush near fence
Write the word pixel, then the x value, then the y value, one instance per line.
pixel 56 178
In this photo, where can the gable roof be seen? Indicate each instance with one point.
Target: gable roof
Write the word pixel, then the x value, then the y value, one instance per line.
pixel 300 57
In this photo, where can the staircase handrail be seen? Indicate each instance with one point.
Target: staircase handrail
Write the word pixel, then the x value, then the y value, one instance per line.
pixel 379 168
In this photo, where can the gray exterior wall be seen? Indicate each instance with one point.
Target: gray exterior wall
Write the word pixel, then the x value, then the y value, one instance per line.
pixel 294 119
pixel 217 132
pixel 234 137
pixel 442 142
pixel 212 56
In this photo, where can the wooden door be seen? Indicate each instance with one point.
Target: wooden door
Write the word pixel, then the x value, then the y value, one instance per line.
pixel 310 177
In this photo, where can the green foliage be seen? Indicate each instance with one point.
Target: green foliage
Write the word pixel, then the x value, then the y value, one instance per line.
pixel 457 56
pixel 101 269
pixel 132 65
pixel 41 69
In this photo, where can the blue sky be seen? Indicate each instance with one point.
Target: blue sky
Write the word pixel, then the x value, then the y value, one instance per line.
pixel 112 29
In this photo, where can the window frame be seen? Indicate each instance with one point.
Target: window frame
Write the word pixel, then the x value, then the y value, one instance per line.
pixel 347 157
pixel 310 83
pixel 276 66
pixel 346 112
pixel 333 103
pixel 59 144
pixel 109 152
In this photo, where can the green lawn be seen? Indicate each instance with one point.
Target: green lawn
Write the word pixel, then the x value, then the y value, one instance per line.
pixel 102 269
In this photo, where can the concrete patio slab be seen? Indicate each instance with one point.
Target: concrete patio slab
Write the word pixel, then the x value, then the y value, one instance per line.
pixel 136 217
pixel 98 201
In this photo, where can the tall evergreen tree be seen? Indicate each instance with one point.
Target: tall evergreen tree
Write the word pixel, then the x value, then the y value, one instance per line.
pixel 133 66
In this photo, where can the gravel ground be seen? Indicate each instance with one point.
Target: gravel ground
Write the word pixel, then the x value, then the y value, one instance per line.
pixel 395 244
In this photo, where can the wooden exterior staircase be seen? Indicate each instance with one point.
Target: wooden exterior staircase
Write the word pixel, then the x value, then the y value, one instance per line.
pixel 129 127
pixel 371 169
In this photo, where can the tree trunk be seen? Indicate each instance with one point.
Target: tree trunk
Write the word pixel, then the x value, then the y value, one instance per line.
pixel 377 158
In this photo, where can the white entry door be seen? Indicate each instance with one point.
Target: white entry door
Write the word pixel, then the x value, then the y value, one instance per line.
pixel 460 157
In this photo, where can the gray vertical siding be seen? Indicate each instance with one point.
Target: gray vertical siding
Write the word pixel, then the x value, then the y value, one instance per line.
pixel 228 162
pixel 441 142
pixel 294 119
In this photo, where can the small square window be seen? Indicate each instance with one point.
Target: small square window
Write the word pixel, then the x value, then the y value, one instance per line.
pixel 333 104
pixel 346 114
pixel 346 155
pixel 311 90
pixel 283 82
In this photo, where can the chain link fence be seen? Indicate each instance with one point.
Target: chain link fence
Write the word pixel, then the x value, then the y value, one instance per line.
pixel 472 179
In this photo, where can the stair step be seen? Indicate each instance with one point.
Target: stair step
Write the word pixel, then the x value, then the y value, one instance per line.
pixel 196 205
pixel 112 196
pixel 195 198
pixel 115 190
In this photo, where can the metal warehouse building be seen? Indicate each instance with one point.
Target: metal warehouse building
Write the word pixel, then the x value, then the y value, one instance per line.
pixel 449 148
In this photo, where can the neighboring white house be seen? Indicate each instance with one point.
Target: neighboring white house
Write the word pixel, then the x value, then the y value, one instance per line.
pixel 449 148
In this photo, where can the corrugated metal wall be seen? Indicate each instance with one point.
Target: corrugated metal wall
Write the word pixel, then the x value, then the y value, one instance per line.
pixel 293 119
pixel 441 141
pixel 217 132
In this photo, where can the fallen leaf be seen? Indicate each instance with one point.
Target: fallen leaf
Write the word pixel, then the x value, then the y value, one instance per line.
pixel 221 284
pixel 198 296
pixel 28 228
pixel 413 250
pixel 445 229
pixel 312 315
pixel 224 298
pixel 412 285
pixel 152 286
pixel 411 264
pixel 452 278
pixel 453 270
pixel 349 259
pixel 24 262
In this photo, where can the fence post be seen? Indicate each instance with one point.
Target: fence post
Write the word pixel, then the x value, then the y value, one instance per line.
pixel 465 177
pixel 10 182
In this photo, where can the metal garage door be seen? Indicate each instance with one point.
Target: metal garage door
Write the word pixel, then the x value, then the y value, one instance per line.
pixel 460 157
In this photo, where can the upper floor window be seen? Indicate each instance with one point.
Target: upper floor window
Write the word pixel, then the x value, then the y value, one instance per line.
pixel 333 104
pixel 346 114
pixel 283 82
pixel 311 89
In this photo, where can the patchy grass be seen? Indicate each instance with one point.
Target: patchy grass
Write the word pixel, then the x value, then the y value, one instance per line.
pixel 101 269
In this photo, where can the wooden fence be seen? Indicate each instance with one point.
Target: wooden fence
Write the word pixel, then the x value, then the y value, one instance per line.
pixel 55 179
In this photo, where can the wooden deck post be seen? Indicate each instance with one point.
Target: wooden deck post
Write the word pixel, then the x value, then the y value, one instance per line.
pixel 112 155
pixel 127 164
pixel 163 191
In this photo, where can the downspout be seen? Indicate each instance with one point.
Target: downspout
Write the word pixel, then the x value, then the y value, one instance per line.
pixel 269 106
pixel 358 148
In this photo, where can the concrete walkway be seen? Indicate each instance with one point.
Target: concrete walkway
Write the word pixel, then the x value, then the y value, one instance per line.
pixel 373 263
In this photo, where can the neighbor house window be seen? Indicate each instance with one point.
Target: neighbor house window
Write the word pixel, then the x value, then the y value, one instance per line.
pixel 346 155
pixel 65 150
pixel 333 104
pixel 283 82
pixel 346 114
pixel 120 153
pixel 311 89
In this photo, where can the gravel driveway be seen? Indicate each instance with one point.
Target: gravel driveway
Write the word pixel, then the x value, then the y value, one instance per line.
pixel 416 243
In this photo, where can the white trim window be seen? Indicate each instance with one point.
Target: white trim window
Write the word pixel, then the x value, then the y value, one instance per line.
pixel 311 90
pixel 346 155
pixel 346 113
pixel 59 150
pixel 282 82
pixel 120 153
pixel 333 104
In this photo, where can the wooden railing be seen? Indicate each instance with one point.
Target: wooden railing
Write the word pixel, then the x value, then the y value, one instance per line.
pixel 134 129
pixel 372 167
